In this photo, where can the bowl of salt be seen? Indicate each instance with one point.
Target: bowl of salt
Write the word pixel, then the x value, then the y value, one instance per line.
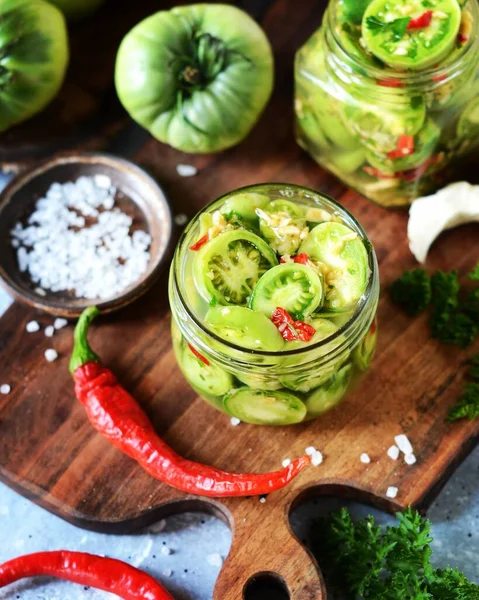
pixel 81 230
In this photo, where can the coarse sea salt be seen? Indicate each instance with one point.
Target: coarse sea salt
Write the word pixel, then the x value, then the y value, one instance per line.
pixel 186 170
pixel 392 492
pixel 393 452
pixel 60 323
pixel 286 462
pixel 5 389
pixel 364 458
pixel 49 331
pixel 51 354
pixel 235 421
pixel 77 240
pixel 403 443
pixel 32 326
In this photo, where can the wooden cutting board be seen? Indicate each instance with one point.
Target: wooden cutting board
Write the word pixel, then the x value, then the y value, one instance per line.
pixel 50 454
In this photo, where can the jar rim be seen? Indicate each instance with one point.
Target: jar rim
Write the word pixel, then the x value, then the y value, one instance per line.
pixel 311 194
pixel 438 75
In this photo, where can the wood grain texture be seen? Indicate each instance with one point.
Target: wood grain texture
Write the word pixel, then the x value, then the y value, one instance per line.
pixel 49 453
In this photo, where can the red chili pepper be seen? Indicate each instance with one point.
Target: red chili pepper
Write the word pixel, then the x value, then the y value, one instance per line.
pixel 105 574
pixel 200 243
pixel 289 328
pixel 405 147
pixel 439 78
pixel 461 38
pixel 115 414
pixel 422 21
pixel 391 82
pixel 198 355
pixel 302 259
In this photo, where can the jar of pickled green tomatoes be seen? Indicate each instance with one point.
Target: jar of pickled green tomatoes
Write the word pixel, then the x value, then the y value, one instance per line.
pixel 273 292
pixel 387 94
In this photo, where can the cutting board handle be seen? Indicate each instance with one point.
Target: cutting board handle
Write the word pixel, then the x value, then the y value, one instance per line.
pixel 265 548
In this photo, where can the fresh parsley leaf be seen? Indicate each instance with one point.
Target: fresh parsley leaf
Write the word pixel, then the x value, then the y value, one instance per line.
pixel 412 291
pixel 363 561
pixel 468 405
pixel 397 27
pixel 452 322
pixel 474 274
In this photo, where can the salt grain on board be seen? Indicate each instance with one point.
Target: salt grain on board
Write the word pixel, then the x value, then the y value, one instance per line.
pixel 77 240
pixel 364 458
pixel 316 458
pixel 186 170
pixel 5 389
pixel 32 327
pixel 410 459
pixel 393 452
pixel 49 331
pixel 51 354
pixel 235 421
pixel 392 492
pixel 286 462
pixel 60 323
pixel 403 443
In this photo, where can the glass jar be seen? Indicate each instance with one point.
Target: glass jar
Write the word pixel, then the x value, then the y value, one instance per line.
pixel 393 135
pixel 271 388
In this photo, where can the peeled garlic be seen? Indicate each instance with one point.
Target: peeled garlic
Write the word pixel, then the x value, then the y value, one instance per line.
pixel 451 206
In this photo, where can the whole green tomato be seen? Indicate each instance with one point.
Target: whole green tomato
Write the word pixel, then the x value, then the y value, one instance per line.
pixel 33 58
pixel 197 77
pixel 75 10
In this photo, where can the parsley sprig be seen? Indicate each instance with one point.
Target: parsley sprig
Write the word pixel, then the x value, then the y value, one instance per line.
pixel 363 561
pixel 454 317
pixel 397 27
pixel 467 407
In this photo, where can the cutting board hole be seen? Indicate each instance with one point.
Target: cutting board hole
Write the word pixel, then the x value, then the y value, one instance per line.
pixel 266 586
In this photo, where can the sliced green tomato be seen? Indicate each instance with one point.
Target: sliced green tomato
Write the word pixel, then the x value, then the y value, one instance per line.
pixel 244 327
pixel 308 125
pixel 304 382
pixel 214 401
pixel 425 143
pixel 208 379
pixel 229 266
pixel 468 125
pixel 347 161
pixel 295 287
pixel 386 34
pixel 260 382
pixel 241 208
pixel 344 261
pixel 262 407
pixel 330 393
pixel 281 223
pixel 363 354
pixel 349 38
pixel 382 122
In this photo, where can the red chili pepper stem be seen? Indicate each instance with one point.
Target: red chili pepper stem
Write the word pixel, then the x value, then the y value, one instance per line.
pixel 82 353
pixel 107 574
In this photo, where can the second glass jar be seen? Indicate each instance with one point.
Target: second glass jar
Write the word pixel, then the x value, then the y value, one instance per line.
pixel 392 134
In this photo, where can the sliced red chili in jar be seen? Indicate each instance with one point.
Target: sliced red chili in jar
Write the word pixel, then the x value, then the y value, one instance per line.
pixel 290 329
pixel 302 259
pixel 203 359
pixel 200 243
pixel 422 21
pixel 405 147
pixel 391 82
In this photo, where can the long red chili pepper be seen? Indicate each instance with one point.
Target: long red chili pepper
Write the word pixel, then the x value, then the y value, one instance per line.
pixel 422 21
pixel 115 414
pixel 105 574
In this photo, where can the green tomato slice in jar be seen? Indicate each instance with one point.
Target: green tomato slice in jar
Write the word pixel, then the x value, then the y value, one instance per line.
pixel 342 257
pixel 425 143
pixel 363 354
pixel 330 393
pixel 262 407
pixel 305 381
pixel 411 34
pixel 295 287
pixel 468 125
pixel 241 208
pixel 197 77
pixel 227 268
pixel 381 122
pixel 282 224
pixel 244 327
pixel 203 375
